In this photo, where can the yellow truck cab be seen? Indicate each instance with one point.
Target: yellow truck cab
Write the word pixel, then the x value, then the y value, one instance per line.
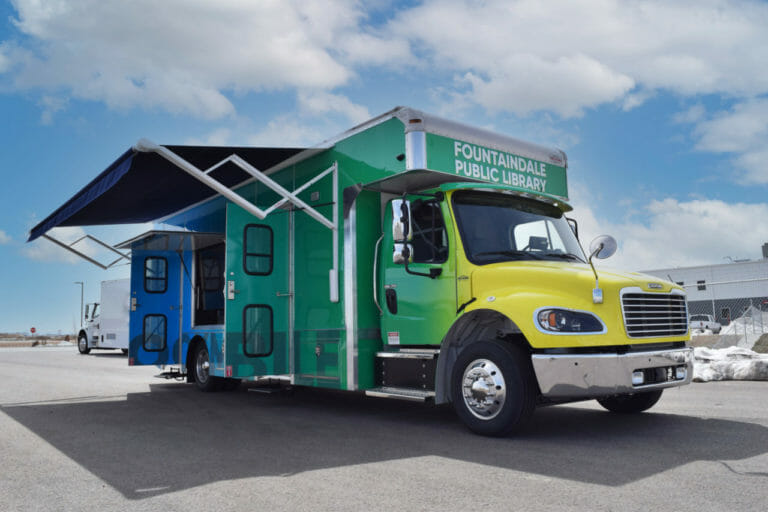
pixel 411 257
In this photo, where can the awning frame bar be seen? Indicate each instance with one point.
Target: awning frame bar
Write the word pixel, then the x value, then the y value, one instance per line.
pixel 71 248
pixel 147 146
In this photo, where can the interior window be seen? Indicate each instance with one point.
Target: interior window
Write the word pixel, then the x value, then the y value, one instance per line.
pixel 540 235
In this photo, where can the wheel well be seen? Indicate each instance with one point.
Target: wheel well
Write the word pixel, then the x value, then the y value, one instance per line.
pixel 481 324
pixel 82 333
pixel 190 355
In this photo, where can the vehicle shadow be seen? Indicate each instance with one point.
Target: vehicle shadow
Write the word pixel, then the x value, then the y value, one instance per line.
pixel 175 438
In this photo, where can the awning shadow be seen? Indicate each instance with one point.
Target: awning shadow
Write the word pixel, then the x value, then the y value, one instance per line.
pixel 175 437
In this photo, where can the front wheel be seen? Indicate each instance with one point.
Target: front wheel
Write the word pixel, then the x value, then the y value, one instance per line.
pixel 201 368
pixel 631 403
pixel 82 344
pixel 492 387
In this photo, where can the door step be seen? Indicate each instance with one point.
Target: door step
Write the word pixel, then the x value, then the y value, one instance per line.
pixel 413 395
pixel 411 353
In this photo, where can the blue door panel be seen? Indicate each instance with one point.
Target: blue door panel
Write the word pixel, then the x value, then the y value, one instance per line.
pixel 156 279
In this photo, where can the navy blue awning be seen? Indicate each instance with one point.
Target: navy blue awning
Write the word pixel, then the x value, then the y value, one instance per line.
pixel 142 187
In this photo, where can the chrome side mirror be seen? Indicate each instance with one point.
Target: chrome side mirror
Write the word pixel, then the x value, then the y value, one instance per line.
pixel 401 220
pixel 602 247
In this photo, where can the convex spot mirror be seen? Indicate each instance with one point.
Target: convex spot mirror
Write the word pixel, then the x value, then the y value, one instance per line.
pixel 402 253
pixel 602 247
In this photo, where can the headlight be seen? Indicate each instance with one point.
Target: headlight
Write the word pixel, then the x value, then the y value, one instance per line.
pixel 566 321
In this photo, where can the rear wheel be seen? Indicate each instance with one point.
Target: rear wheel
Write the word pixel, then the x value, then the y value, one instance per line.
pixel 631 403
pixel 492 388
pixel 201 368
pixel 82 344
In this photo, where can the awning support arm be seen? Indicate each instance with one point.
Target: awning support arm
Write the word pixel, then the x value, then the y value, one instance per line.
pixel 71 248
pixel 204 177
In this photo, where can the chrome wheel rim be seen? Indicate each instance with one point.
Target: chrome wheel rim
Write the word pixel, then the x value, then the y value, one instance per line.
pixel 202 366
pixel 483 389
pixel 81 343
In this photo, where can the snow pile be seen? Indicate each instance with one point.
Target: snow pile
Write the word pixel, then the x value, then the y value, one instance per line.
pixel 732 363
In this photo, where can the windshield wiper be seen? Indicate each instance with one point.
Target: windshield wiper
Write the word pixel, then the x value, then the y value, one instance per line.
pixel 519 254
pixel 563 255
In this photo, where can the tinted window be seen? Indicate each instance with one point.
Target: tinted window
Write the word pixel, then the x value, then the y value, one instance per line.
pixel 155 275
pixel 257 249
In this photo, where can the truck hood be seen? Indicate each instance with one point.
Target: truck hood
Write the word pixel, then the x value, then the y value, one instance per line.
pixel 573 282
pixel 518 289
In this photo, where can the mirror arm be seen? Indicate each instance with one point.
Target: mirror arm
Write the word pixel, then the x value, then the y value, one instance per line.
pixel 433 272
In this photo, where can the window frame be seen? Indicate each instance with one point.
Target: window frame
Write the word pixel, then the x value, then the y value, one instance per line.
pixel 271 330
pixel 435 206
pixel 270 255
pixel 144 332
pixel 164 279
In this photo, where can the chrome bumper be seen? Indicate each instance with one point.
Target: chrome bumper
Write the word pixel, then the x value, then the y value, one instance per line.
pixel 595 375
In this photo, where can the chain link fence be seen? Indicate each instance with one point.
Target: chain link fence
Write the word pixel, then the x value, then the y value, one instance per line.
pixel 731 320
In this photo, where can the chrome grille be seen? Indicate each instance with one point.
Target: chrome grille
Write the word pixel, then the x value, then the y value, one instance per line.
pixel 653 315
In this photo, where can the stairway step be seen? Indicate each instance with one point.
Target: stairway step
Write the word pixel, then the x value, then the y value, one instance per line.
pixel 414 395
pixel 410 354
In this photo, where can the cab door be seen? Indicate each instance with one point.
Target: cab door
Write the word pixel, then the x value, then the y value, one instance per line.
pixel 155 308
pixel 258 298
pixel 418 299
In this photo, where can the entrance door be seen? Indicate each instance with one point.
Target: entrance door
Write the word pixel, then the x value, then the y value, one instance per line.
pixel 155 308
pixel 258 298
pixel 417 309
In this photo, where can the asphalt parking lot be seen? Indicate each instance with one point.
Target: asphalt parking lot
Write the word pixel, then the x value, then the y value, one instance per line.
pixel 90 433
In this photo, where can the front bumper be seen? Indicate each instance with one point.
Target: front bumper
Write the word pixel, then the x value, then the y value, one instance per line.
pixel 596 375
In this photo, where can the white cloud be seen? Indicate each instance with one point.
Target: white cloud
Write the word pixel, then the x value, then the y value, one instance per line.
pixel 184 55
pixel 741 131
pixel 540 82
pixel 676 233
pixel 568 55
pixel 4 238
pixel 319 103
pixel 50 106
pixel 288 131
pixel 521 56
pixel 218 137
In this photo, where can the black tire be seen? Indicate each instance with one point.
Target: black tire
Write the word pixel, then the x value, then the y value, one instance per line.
pixel 631 403
pixel 82 344
pixel 493 388
pixel 124 351
pixel 200 366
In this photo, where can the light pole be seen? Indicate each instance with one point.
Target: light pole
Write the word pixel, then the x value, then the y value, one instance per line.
pixel 81 301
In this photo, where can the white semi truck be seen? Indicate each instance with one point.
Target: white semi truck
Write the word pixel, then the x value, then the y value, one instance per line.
pixel 106 322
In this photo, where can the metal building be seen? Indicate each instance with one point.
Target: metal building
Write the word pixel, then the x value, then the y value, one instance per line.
pixel 726 291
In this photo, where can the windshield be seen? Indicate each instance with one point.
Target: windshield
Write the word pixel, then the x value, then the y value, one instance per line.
pixel 498 227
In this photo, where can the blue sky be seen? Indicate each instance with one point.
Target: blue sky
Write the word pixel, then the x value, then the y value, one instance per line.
pixel 662 108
